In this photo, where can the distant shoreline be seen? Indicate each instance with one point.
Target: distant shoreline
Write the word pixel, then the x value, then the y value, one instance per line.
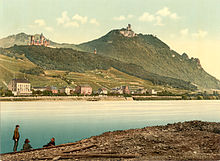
pixel 90 98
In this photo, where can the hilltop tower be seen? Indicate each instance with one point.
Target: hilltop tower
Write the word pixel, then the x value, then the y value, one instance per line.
pixel 32 40
pixel 42 39
pixel 128 31
pixel 129 27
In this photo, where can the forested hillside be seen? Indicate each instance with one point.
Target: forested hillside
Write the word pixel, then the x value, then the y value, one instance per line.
pixel 76 61
pixel 153 55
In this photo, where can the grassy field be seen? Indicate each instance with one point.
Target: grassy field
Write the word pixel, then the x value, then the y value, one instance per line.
pixel 10 68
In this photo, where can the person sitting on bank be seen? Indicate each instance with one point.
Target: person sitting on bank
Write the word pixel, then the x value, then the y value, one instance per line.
pixel 51 143
pixel 26 145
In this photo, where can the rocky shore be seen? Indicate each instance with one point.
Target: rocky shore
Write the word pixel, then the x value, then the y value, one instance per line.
pixel 193 140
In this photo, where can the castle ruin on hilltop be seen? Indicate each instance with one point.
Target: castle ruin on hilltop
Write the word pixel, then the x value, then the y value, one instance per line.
pixel 42 42
pixel 128 32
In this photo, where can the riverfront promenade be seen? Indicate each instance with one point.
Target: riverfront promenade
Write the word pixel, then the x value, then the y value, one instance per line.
pixel 89 98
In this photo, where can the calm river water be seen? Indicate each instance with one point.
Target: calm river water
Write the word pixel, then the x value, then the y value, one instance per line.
pixel 69 121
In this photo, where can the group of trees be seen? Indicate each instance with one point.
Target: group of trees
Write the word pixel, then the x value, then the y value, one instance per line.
pixel 201 96
pixel 33 71
pixel 5 92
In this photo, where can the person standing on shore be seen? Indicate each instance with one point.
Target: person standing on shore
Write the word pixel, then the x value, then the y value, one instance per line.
pixel 16 137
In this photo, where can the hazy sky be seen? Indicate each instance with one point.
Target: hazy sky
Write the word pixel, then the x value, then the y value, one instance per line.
pixel 191 26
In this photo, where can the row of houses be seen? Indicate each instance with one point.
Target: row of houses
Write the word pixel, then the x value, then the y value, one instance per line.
pixel 83 90
pixel 23 87
pixel 132 90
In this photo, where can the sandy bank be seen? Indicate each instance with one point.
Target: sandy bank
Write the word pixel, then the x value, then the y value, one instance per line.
pixel 194 140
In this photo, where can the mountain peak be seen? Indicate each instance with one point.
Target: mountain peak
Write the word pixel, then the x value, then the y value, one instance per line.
pixel 21 34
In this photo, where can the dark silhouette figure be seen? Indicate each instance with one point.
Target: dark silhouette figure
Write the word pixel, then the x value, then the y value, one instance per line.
pixel 26 145
pixel 51 143
pixel 16 137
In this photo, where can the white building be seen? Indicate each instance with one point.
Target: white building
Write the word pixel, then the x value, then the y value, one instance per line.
pixel 20 87
pixel 67 90
pixel 102 91
pixel 39 89
pixel 152 91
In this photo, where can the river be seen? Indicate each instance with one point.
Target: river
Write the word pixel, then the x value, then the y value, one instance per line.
pixel 70 121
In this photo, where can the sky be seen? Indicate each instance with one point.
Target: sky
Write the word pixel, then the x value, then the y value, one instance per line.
pixel 190 26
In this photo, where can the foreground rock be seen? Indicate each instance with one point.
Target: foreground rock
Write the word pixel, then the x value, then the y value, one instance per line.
pixel 194 140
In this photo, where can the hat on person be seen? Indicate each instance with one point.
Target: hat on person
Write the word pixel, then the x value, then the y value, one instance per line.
pixel 26 141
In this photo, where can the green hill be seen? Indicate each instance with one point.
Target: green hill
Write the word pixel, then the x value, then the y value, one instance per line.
pixel 153 55
pixel 70 60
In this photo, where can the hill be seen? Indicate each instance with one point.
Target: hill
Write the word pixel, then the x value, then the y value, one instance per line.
pixel 153 55
pixel 143 56
pixel 24 39
pixel 70 60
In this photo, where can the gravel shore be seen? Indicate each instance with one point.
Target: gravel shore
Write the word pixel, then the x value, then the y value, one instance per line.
pixel 193 140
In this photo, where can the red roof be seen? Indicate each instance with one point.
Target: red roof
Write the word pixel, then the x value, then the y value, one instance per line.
pixel 21 80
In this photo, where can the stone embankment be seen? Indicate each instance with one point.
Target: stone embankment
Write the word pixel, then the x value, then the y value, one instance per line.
pixel 194 140
pixel 89 98
pixel 65 98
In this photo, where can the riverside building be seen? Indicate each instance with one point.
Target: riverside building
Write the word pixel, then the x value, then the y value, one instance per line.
pixel 20 87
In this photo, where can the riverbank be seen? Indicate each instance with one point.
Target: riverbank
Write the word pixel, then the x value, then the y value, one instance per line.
pixel 89 98
pixel 194 140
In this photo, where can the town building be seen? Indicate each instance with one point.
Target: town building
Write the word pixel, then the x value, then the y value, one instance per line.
pixel 20 87
pixel 102 91
pixel 116 90
pixel 67 90
pixel 125 89
pixel 42 42
pixel 83 89
pixel 216 92
pixel 53 89
pixel 137 90
pixel 141 91
pixel 39 89
pixel 152 91
pixel 128 32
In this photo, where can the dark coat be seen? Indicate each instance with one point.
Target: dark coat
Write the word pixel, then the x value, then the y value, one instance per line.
pixel 16 134
pixel 27 146
pixel 51 143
